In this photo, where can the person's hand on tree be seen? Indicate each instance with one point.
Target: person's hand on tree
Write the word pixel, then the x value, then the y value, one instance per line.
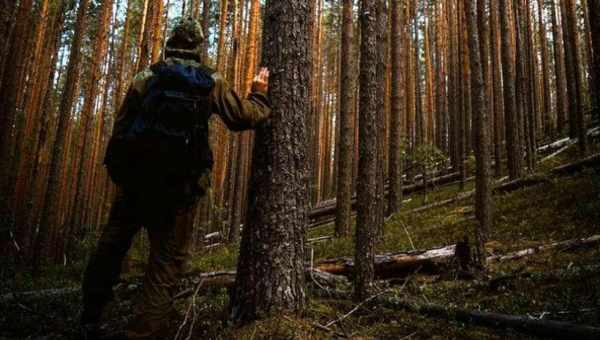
pixel 261 81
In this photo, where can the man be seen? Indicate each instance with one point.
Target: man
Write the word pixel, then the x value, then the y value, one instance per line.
pixel 160 159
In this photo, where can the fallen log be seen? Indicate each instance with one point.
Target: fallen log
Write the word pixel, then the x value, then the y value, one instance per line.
pixel 320 239
pixel 593 132
pixel 396 265
pixel 435 261
pixel 566 245
pixel 459 197
pixel 556 153
pixel 558 274
pixel 328 207
pixel 523 324
pixel 555 145
pixel 588 162
pixel 520 183
pixel 37 294
pixel 562 170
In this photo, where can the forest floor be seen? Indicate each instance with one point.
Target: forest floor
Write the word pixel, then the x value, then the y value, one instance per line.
pixel 561 209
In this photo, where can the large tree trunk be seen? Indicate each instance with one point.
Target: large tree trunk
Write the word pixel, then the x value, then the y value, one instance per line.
pixel 271 263
pixel 346 147
pixel 366 222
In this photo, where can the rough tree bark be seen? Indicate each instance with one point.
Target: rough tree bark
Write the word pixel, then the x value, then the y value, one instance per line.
pixel 395 151
pixel 576 107
pixel 205 27
pixel 594 12
pixel 483 193
pixel 559 69
pixel 343 215
pixel 366 222
pixel 498 93
pixel 271 263
pixel 510 95
pixel 381 117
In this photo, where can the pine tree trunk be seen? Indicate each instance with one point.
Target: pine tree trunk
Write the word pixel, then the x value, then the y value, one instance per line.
pixel 419 119
pixel 381 117
pixel 480 122
pixel 205 27
pixel 576 101
pixel 343 216
pixel 145 41
pixel 366 222
pixel 559 69
pixel 395 151
pixel 510 95
pixel 16 62
pixel 271 264
pixel 157 24
pixel 7 21
pixel 594 12
pixel 530 92
pixel 546 93
pixel 497 88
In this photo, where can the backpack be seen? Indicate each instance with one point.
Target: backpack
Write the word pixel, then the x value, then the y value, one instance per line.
pixel 164 148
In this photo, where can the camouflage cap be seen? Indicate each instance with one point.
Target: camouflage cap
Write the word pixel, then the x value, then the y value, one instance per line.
pixel 186 39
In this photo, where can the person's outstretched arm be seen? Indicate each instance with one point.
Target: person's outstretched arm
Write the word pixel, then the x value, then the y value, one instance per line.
pixel 238 113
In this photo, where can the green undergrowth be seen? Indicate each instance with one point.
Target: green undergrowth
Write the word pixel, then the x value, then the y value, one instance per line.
pixel 559 284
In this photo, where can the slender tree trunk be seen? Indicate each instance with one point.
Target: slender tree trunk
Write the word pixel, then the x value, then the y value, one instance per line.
pixel 381 116
pixel 270 275
pixel 530 90
pixel 483 193
pixel 395 151
pixel 576 106
pixel 205 29
pixel 366 222
pixel 497 88
pixel 343 219
pixel 559 69
pixel 510 95
pixel 594 12
pixel 419 119
pixel 145 41
pixel 546 93
pixel 157 25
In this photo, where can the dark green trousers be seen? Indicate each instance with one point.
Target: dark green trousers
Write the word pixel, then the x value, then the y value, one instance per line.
pixel 169 230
